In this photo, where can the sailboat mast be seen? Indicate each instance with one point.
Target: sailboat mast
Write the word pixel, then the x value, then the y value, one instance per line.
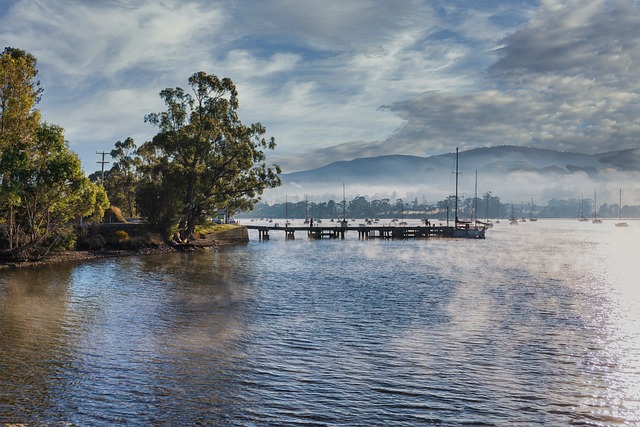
pixel 475 200
pixel 486 208
pixel 455 209
pixel 620 207
pixel 531 210
pixel 344 205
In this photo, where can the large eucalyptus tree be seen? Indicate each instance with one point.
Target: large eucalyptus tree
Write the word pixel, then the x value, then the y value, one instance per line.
pixel 203 157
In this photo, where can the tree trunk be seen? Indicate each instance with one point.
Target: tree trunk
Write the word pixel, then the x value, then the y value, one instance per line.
pixel 191 219
pixel 10 227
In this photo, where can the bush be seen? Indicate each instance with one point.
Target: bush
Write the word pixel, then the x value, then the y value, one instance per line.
pixel 113 214
pixel 121 236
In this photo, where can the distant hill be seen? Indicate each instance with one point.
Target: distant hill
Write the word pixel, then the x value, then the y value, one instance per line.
pixel 492 161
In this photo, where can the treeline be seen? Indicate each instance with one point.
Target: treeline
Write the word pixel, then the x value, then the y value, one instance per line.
pixel 203 158
pixel 489 206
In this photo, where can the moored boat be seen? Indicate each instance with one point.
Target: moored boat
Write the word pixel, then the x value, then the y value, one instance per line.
pixel 464 229
pixel 620 222
pixel 595 220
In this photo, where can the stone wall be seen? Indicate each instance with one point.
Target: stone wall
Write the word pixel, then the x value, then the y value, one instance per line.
pixel 222 238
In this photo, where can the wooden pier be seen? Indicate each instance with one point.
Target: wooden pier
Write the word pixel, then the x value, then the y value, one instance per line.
pixel 364 232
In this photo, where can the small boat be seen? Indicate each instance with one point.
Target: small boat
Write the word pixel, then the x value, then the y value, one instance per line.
pixel 595 220
pixel 582 218
pixel 463 229
pixel 620 223
pixel 531 217
pixel 513 220
pixel 487 222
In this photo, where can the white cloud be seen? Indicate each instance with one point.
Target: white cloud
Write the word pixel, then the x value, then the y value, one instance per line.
pixel 316 73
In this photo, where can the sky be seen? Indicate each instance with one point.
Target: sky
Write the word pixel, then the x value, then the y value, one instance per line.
pixel 337 80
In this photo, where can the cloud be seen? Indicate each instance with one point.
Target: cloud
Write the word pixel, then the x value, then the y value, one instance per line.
pixel 331 25
pixel 564 81
pixel 85 41
pixel 102 64
pixel 336 80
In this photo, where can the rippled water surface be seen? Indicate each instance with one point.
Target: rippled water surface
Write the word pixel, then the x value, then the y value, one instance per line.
pixel 537 324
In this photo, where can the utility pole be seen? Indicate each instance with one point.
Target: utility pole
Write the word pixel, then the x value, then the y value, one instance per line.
pixel 102 163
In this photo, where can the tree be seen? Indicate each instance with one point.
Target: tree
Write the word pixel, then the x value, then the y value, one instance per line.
pixel 42 186
pixel 48 189
pixel 203 157
pixel 122 179
pixel 19 93
pixel 359 207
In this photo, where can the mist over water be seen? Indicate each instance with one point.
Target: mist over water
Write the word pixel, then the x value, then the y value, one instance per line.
pixel 537 324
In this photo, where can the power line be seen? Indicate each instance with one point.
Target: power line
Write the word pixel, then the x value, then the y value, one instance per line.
pixel 102 163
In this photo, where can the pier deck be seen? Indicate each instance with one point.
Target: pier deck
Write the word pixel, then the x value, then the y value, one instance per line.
pixel 364 232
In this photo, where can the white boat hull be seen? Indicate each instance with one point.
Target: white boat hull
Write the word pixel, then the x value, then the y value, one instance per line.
pixel 469 233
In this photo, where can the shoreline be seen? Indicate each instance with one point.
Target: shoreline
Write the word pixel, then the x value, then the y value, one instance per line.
pixel 233 236
pixel 78 256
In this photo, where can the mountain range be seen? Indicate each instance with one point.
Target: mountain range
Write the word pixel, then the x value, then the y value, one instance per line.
pixel 511 172
pixel 499 160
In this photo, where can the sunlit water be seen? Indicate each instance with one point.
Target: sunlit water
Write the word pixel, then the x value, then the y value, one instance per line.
pixel 539 324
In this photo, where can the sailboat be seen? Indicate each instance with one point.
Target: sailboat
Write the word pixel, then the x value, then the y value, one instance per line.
pixel 596 220
pixel 513 220
pixel 306 211
pixel 463 228
pixel 523 219
pixel 487 222
pixel 344 223
pixel 531 217
pixel 620 223
pixel 582 217
pixel 286 211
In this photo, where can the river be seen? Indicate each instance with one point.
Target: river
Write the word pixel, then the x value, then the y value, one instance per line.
pixel 538 324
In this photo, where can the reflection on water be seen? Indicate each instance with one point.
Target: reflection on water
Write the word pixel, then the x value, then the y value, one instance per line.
pixel 537 324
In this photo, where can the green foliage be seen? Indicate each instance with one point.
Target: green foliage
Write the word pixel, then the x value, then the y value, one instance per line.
pixel 42 185
pixel 122 179
pixel 19 93
pixel 203 156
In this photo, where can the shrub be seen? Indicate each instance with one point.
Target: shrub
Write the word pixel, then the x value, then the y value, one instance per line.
pixel 114 214
pixel 121 236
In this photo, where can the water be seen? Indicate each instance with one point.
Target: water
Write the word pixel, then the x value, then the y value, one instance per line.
pixel 536 325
